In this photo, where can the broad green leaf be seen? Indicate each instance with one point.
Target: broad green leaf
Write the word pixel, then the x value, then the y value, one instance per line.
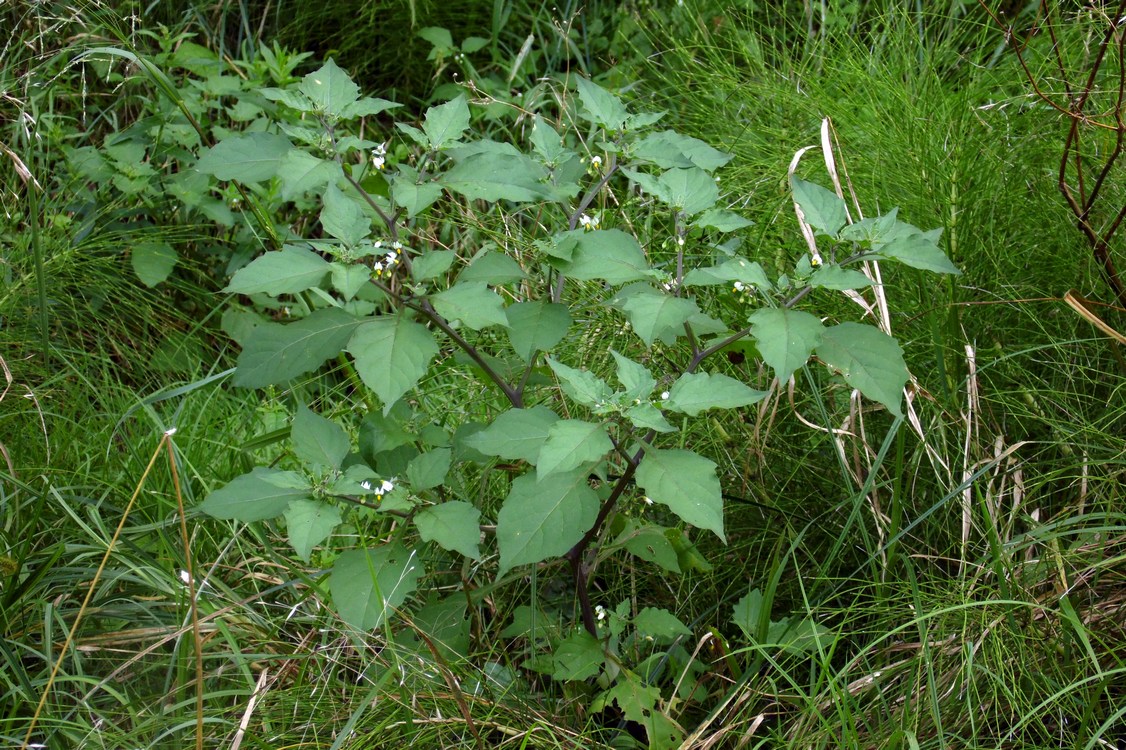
pixel 638 703
pixel 608 255
pixel 584 387
pixel 689 190
pixel 659 624
pixel 544 519
pixel 330 89
pixel 349 279
pixel 493 268
pixel 308 523
pixel 600 106
pixel 517 434
pixel 317 440
pixel 251 157
pixel 656 315
pixel 872 230
pixel 473 303
pixel 571 443
pixel 721 219
pixel 287 271
pixel 917 250
pixel 455 525
pixel 670 149
pixel 432 264
pixel 498 176
pixel 823 209
pixel 797 635
pixel 366 107
pixel 648 542
pixel 694 392
pixel 290 98
pixel 437 36
pixel 687 484
pixel 785 338
pixel 153 261
pixel 634 377
pixel 445 123
pixel 578 657
pixel 832 276
pixel 343 218
pixel 415 197
pixel 300 173
pixel 738 269
pixel 648 417
pixel 547 142
pixel 261 494
pixel 392 353
pixel 870 361
pixel 428 470
pixel 275 352
pixel 367 585
pixel 748 616
pixel 536 326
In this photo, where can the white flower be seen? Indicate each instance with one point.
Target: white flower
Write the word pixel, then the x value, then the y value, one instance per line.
pixel 366 485
pixel 590 222
pixel 600 613
pixel 664 395
pixel 740 286
pixel 815 261
pixel 680 241
pixel 648 500
pixel 595 162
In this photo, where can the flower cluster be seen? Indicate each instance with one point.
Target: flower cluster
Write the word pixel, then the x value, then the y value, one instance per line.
pixel 387 263
pixel 743 291
pixel 590 222
pixel 600 613
pixel 384 488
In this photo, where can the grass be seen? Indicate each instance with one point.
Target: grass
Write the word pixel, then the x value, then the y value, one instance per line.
pixel 970 571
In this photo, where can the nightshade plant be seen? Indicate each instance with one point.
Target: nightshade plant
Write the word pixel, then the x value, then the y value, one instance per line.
pixel 600 214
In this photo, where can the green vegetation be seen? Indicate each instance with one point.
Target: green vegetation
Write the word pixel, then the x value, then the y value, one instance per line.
pixel 694 375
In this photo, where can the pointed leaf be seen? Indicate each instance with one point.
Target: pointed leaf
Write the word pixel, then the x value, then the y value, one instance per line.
pixel 308 523
pixel 694 392
pixel 608 255
pixel 832 276
pixel 785 338
pixel 536 326
pixel 578 657
pixel 392 353
pixel 689 190
pixel 367 585
pixel 687 484
pixel 670 149
pixel 153 261
pixel 445 123
pixel 493 268
pixel 455 525
pixel 722 219
pixel 287 271
pixel 274 352
pixel 473 303
pixel 917 250
pixel 747 614
pixel 330 89
pixel 432 264
pixel 317 440
pixel 870 361
pixel 543 519
pixel 253 157
pixel 570 444
pixel 584 387
pixel 823 209
pixel 648 417
pixel 655 315
pixel 648 542
pixel 659 624
pixel 498 176
pixel 738 269
pixel 634 377
pixel 517 434
pixel 600 106
pixel 300 173
pixel 343 218
pixel 261 494
pixel 428 470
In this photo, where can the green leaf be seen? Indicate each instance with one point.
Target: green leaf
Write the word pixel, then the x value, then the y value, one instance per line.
pixel 308 523
pixel 543 519
pixel 498 176
pixel 578 657
pixel 659 624
pixel 330 89
pixel 832 276
pixel 785 338
pixel 571 443
pixel 634 377
pixel 870 361
pixel 916 249
pixel 261 494
pixel 454 525
pixel 287 271
pixel 823 209
pixel 428 470
pixel 694 392
pixel 536 326
pixel 343 218
pixel 392 353
pixel 736 269
pixel 638 703
pixel 317 440
pixel 648 542
pixel 689 190
pixel 252 157
pixel 748 616
pixel 517 434
pixel 366 107
pixel 670 149
pixel 648 417
pixel 275 352
pixel 289 97
pixel 873 230
pixel 153 262
pixel 493 268
pixel 687 484
pixel 445 123
pixel 655 315
pixel 583 386
pixel 349 279
pixel 600 106
pixel 608 255
pixel 473 303
pixel 366 585
pixel 415 197
pixel 300 173
pixel 432 264
pixel 722 219
pixel 547 142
